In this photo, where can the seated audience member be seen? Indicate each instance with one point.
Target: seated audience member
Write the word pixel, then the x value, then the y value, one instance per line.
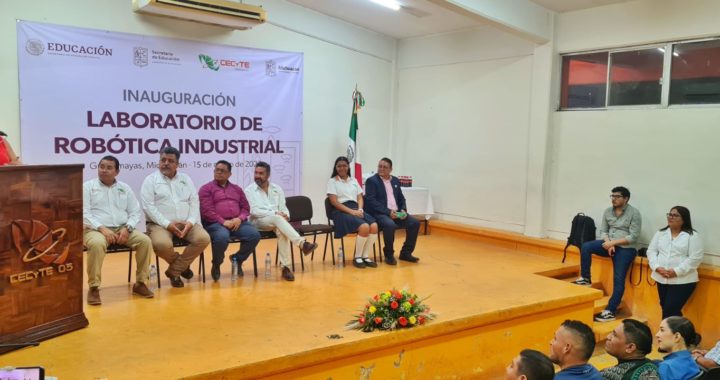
pixel 346 196
pixel 172 209
pixel 110 214
pixel 7 154
pixel 708 359
pixel 268 212
pixel 225 210
pixel 629 343
pixel 674 254
pixel 675 337
pixel 571 348
pixel 619 230
pixel 530 365
pixel 384 200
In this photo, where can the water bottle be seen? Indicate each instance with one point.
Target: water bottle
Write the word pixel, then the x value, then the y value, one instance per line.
pixel 268 264
pixel 340 258
pixel 152 281
pixel 235 269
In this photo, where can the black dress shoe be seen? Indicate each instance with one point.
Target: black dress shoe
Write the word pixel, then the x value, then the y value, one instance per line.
pixel 358 263
pixel 409 258
pixel 287 274
pixel 175 281
pixel 187 274
pixel 369 263
pixel 215 272
pixel 389 260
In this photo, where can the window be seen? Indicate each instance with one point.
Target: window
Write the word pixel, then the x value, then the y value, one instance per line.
pixel 635 77
pixel 695 73
pixel 584 80
pixel 675 73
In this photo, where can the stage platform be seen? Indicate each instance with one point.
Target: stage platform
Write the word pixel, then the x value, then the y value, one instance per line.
pixel 491 302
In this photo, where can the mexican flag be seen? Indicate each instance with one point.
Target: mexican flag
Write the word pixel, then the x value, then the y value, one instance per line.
pixel 352 148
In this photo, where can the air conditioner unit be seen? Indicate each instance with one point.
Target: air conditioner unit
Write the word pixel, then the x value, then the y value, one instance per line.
pixel 216 12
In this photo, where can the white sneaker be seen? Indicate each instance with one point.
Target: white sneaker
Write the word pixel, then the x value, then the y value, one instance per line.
pixel 605 316
pixel 582 281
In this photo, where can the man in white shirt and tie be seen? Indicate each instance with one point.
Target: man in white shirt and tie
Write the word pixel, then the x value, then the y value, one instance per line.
pixel 110 214
pixel 269 213
pixel 172 209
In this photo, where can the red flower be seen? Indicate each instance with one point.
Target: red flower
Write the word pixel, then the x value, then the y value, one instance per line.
pixel 367 306
pixel 376 297
pixel 421 319
pixel 394 305
pixel 403 321
pixel 412 301
pixel 362 320
pixel 378 320
pixel 397 295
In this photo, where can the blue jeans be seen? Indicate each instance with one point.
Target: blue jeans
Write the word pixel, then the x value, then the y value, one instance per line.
pixel 220 237
pixel 622 260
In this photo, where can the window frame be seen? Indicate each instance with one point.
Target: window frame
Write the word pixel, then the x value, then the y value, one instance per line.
pixel 665 80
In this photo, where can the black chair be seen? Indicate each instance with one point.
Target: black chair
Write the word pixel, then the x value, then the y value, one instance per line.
pixel 329 208
pixel 301 210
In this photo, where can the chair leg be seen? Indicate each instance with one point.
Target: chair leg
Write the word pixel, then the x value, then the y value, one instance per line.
pixel 292 257
pixel 312 256
pixel 374 253
pixel 255 262
pixel 129 264
pixel 342 243
pixel 201 266
pixel 157 269
pixel 302 260
pixel 380 246
pixel 332 247
pixel 325 248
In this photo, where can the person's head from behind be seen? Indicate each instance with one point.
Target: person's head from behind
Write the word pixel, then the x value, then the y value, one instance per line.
pixel 341 168
pixel 630 340
pixel 262 173
pixel 169 161
pixel 530 365
pixel 572 344
pixel 619 196
pixel 677 334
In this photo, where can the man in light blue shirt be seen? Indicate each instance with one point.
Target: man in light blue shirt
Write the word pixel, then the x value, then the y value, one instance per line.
pixel 571 348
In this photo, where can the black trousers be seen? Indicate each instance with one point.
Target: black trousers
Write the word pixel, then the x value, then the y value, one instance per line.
pixel 674 297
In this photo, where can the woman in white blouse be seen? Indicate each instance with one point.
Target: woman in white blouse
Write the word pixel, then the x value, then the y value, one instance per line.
pixel 346 196
pixel 674 254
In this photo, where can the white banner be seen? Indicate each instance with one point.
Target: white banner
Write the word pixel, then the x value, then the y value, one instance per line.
pixel 88 93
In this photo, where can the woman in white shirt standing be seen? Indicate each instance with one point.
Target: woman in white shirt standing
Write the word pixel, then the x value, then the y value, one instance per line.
pixel 674 254
pixel 346 196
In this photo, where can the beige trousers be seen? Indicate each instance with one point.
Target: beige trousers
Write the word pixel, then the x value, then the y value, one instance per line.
pixel 286 235
pixel 163 245
pixel 96 245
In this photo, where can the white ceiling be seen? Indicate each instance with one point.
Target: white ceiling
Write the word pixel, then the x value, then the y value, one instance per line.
pixel 420 17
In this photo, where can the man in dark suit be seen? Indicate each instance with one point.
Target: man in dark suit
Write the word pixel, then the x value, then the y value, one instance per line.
pixel 385 201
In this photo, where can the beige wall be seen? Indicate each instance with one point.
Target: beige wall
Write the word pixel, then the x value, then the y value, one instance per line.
pixel 337 56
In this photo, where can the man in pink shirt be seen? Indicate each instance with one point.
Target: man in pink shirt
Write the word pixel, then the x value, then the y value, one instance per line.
pixel 384 200
pixel 224 210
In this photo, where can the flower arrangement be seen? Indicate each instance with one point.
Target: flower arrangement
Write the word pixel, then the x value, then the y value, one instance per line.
pixel 392 309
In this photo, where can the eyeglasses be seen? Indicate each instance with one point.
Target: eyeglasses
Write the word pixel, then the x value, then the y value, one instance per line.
pixel 670 216
pixel 615 196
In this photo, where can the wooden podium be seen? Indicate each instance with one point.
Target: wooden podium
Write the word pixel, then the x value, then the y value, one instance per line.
pixel 41 254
